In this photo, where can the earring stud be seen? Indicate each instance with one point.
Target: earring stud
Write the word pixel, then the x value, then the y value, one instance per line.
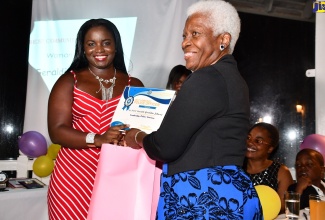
pixel 222 47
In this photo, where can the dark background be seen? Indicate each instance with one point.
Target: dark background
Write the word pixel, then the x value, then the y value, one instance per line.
pixel 15 21
pixel 273 55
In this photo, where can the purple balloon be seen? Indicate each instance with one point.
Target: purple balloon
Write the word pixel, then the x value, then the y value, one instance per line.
pixel 315 142
pixel 32 144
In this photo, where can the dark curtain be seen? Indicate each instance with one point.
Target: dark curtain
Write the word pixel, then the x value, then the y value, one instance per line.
pixel 15 21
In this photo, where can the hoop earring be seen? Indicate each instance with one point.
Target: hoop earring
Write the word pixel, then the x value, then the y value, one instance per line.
pixel 222 47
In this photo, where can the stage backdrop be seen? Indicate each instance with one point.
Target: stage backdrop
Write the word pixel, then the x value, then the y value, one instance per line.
pixel 151 32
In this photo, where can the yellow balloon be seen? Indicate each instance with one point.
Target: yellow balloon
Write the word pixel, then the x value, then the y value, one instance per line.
pixel 53 150
pixel 43 166
pixel 270 201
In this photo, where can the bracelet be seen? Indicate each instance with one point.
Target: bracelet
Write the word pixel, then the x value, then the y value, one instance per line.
pixel 136 135
pixel 90 138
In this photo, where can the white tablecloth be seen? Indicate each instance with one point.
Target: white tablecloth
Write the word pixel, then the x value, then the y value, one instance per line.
pixel 24 204
pixel 301 215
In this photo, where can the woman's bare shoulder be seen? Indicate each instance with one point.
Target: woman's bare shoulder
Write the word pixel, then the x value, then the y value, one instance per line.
pixel 136 82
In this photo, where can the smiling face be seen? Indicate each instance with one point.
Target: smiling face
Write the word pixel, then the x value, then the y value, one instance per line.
pixel 200 47
pixel 307 165
pixel 99 46
pixel 258 144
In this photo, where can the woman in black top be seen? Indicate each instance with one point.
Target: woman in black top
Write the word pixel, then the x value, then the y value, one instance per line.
pixel 202 138
pixel 262 141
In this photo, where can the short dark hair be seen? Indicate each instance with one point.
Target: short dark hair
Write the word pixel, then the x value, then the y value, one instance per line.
pixel 176 73
pixel 271 129
pixel 80 61
pixel 319 157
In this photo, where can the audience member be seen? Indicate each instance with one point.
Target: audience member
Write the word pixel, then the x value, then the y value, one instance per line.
pixel 310 175
pixel 176 77
pixel 203 147
pixel 262 140
pixel 81 105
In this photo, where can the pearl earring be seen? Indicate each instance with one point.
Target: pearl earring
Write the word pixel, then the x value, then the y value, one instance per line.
pixel 222 47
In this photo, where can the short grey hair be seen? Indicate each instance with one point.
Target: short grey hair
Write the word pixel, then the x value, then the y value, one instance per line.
pixel 222 17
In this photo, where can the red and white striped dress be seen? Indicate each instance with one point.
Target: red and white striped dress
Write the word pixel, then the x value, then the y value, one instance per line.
pixel 73 177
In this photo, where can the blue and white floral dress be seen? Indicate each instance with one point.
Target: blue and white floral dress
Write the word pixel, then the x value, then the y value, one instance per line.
pixel 221 192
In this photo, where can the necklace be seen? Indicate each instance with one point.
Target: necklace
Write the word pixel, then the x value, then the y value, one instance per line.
pixel 107 93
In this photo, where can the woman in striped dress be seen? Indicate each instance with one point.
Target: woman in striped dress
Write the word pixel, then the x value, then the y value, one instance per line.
pixel 81 105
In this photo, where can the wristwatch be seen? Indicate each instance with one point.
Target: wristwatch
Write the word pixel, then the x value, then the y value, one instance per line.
pixel 3 180
pixel 90 138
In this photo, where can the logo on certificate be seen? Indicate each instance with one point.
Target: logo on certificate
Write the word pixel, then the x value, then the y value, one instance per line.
pixel 128 102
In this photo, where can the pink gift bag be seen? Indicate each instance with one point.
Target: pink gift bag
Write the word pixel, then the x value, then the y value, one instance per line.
pixel 126 185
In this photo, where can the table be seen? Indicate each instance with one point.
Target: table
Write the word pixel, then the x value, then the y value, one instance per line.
pixel 26 204
pixel 301 215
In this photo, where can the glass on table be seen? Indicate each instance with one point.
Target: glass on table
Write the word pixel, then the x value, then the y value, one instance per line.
pixel 292 204
pixel 317 207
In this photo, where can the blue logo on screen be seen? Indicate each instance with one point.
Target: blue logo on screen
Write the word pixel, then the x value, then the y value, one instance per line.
pixel 319 7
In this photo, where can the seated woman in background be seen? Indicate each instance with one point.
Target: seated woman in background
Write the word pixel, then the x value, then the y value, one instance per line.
pixel 310 175
pixel 176 77
pixel 262 140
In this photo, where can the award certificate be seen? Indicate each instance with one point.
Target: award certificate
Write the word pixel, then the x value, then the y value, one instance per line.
pixel 143 108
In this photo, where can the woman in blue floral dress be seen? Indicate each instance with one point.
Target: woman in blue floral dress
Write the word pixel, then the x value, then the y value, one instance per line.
pixel 202 140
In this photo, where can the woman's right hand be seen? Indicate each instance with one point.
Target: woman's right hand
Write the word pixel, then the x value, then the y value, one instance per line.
pixel 114 135
pixel 134 138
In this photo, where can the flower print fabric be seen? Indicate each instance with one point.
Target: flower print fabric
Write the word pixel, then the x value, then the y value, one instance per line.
pixel 220 192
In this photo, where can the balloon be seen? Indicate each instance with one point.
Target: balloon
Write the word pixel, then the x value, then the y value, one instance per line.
pixel 53 151
pixel 32 144
pixel 270 201
pixel 43 166
pixel 315 142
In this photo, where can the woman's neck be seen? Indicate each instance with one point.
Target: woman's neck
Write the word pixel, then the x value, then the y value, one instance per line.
pixel 257 166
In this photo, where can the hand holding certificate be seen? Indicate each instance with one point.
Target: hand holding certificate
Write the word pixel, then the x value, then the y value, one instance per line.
pixel 143 108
